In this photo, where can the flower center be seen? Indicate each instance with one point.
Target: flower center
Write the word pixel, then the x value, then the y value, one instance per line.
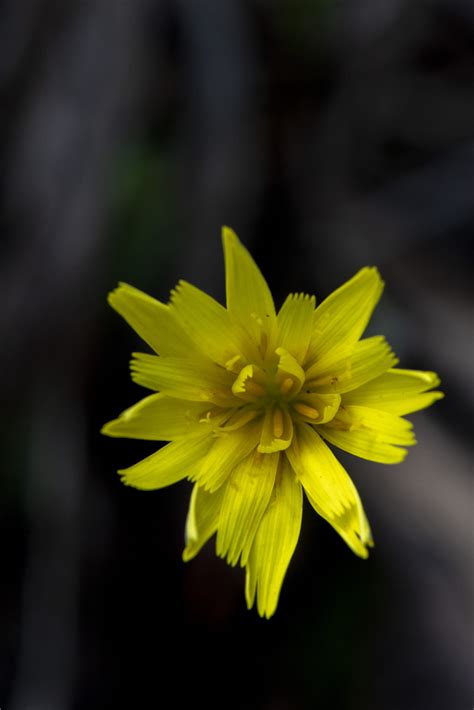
pixel 276 390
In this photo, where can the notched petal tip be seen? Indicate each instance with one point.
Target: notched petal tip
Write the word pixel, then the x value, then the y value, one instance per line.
pixel 371 273
pixel 123 292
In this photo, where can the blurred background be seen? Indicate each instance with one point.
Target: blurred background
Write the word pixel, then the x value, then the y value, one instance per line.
pixel 329 134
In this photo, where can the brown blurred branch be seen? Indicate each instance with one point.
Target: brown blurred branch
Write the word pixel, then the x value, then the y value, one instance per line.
pixel 56 196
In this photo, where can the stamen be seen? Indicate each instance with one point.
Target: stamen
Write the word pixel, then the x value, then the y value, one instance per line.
pixel 277 423
pixel 254 388
pixel 306 411
pixel 286 385
pixel 240 420
pixel 234 364
pixel 207 416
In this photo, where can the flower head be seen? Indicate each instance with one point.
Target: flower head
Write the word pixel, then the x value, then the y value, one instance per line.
pixel 248 398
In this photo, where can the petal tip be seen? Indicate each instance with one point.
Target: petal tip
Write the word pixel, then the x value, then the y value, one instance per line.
pixel 187 555
pixel 108 428
pixel 229 238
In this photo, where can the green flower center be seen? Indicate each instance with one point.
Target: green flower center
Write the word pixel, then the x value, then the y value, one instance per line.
pixel 276 389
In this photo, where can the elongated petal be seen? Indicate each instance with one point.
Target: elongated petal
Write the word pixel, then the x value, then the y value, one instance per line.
pixel 274 543
pixel 342 317
pixel 370 434
pixel 152 320
pixel 168 465
pixel 398 391
pixel 226 453
pixel 343 371
pixel 247 495
pixel 158 418
pixel 184 379
pixel 249 300
pixel 202 520
pixel 295 321
pixel 329 489
pixel 205 321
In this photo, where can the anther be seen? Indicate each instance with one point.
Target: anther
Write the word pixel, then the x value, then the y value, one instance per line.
pixel 306 411
pixel 277 423
pixel 209 414
pixel 234 364
pixel 254 389
pixel 286 385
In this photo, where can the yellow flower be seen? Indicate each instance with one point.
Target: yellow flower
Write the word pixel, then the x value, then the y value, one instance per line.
pixel 247 398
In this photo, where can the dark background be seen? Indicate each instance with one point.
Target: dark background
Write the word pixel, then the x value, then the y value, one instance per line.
pixel 329 134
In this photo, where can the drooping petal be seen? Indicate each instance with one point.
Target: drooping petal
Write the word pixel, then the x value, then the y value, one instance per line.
pixel 202 520
pixel 205 321
pixel 152 320
pixel 245 386
pixel 225 454
pixel 295 321
pixel 329 489
pixel 343 371
pixel 289 370
pixel 317 408
pixel 158 418
pixel 398 391
pixel 170 464
pixel 274 542
pixel 184 378
pixel 342 317
pixel 276 430
pixel 249 300
pixel 247 494
pixel 370 433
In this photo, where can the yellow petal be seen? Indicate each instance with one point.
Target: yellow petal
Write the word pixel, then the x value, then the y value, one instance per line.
pixel 274 543
pixel 168 465
pixel 345 370
pixel 295 321
pixel 276 430
pixel 202 520
pixel 184 379
pixel 247 494
pixel 152 320
pixel 205 321
pixel 329 489
pixel 245 387
pixel 342 317
pixel 158 418
pixel 398 391
pixel 289 369
pixel 317 408
pixel 249 299
pixel 370 433
pixel 226 452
